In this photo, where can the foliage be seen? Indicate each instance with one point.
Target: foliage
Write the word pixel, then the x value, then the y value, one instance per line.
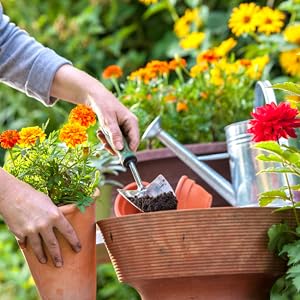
pixel 109 286
pixel 284 238
pixel 60 165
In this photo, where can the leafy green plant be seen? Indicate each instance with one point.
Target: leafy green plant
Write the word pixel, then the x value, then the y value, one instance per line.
pixel 271 123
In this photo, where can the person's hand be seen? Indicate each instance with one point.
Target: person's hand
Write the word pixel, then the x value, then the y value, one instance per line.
pixel 32 216
pixel 76 86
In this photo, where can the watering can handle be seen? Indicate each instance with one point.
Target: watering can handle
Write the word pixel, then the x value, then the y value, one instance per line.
pixel 264 94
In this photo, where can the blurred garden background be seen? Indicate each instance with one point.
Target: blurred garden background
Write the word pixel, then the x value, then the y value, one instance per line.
pixel 193 62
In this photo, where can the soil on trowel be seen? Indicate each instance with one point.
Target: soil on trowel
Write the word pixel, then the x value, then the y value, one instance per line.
pixel 165 201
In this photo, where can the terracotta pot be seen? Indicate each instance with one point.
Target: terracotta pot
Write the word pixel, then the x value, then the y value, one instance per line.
pixel 199 254
pixel 163 161
pixel 191 195
pixel 122 207
pixel 77 278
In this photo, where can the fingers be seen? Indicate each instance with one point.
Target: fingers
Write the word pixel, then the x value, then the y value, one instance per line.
pixel 104 141
pixel 69 234
pixel 36 245
pixel 131 129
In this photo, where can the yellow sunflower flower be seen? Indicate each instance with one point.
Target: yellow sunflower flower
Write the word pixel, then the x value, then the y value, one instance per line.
pixel 292 33
pixel 192 41
pixel 29 136
pixel 190 21
pixel 269 20
pixel 290 62
pixel 73 134
pixel 242 19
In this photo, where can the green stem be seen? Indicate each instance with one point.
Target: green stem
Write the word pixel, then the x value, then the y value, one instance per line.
pixel 116 86
pixel 172 11
pixel 292 198
pixel 12 157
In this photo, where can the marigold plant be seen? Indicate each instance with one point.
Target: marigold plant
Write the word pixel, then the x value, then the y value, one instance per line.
pixel 61 164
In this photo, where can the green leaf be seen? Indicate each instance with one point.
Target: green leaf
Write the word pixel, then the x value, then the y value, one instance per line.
pixel 278 236
pixel 294 274
pixel 270 146
pixel 264 201
pixel 274 193
pixel 269 157
pixel 290 87
pixel 293 252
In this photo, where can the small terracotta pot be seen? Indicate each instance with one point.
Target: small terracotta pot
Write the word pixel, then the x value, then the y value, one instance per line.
pixel 122 207
pixel 191 195
pixel 77 278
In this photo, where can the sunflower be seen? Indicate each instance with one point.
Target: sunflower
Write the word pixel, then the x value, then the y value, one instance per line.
pixel 9 138
pixel 83 115
pixel 290 62
pixel 29 136
pixel 292 33
pixel 73 134
pixel 270 20
pixel 242 19
pixel 112 71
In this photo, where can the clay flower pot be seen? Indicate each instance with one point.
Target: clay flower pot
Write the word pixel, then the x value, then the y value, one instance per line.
pixel 191 195
pixel 77 278
pixel 188 193
pixel 199 254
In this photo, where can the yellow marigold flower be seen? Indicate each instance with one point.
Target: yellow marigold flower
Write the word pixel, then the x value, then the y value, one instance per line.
pixel 181 106
pixel 73 134
pixel 257 66
pixel 112 71
pixel 170 98
pixel 177 63
pixel 210 56
pixel 190 20
pixel 292 33
pixel 198 69
pixel 9 138
pixel 269 20
pixel 216 77
pixel 225 47
pixel 29 136
pixel 148 2
pixel 83 115
pixel 192 40
pixel 290 62
pixel 242 19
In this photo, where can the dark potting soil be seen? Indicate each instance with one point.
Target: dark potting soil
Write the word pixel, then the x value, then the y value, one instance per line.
pixel 165 201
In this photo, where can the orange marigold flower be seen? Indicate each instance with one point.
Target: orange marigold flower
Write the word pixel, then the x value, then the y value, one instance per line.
pixel 73 134
pixel 209 56
pixel 181 106
pixel 9 138
pixel 83 115
pixel 112 71
pixel 29 136
pixel 177 63
pixel 158 66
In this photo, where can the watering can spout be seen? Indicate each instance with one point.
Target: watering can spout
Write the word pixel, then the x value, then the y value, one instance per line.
pixel 208 174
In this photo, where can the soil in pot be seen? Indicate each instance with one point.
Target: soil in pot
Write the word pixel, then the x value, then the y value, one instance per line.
pixel 165 201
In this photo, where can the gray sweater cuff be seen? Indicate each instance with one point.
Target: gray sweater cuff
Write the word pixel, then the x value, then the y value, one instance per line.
pixel 41 75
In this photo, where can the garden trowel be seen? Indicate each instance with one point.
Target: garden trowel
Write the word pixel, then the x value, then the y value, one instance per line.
pixel 157 195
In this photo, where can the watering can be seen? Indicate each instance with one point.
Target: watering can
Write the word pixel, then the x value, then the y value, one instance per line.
pixel 246 184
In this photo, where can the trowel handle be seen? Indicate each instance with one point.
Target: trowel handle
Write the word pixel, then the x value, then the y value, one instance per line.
pixel 125 155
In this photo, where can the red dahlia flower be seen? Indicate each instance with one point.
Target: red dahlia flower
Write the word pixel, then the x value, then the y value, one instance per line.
pixel 271 122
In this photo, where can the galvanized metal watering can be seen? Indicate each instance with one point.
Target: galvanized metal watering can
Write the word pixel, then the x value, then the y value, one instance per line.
pixel 246 184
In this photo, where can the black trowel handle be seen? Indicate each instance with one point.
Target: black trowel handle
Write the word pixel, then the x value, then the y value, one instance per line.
pixel 125 155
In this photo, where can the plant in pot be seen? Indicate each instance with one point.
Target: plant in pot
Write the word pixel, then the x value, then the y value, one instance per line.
pixel 272 124
pixel 61 166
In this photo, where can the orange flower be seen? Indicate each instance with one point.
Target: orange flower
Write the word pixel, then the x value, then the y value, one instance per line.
pixel 9 138
pixel 181 106
pixel 29 136
pixel 210 56
pixel 83 115
pixel 112 71
pixel 177 63
pixel 157 66
pixel 204 95
pixel 73 134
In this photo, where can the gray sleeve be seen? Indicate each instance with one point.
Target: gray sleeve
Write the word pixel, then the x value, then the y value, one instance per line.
pixel 25 64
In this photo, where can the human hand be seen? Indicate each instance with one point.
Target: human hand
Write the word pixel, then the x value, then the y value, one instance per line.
pixel 31 216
